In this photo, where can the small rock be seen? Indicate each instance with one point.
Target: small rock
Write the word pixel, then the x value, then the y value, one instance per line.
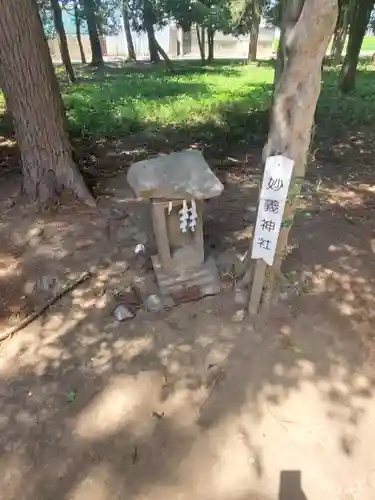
pixel 35 232
pixel 45 283
pixel 122 313
pixel 238 316
pixel 153 303
pixel 29 287
pixel 147 291
pixel 81 245
pixel 210 289
pixel 140 249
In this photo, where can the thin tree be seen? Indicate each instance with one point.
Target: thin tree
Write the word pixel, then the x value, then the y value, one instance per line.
pixel 201 38
pixel 210 43
pixel 149 20
pixel 33 98
pixel 63 43
pixel 128 34
pixel 256 12
pixel 77 22
pixel 296 95
pixel 148 23
pixel 89 8
pixel 341 30
pixel 358 25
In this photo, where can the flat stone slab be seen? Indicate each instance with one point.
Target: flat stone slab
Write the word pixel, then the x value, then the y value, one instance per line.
pixel 187 285
pixel 183 175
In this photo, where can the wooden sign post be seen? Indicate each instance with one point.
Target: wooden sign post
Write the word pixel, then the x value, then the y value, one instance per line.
pixel 275 186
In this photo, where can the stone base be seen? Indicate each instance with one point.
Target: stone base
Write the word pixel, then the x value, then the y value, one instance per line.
pixel 188 284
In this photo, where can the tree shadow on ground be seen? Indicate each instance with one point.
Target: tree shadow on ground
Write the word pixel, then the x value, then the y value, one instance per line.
pixel 92 408
pixel 178 404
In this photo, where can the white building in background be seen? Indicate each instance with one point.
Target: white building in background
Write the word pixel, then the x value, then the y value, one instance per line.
pixel 172 39
pixel 177 43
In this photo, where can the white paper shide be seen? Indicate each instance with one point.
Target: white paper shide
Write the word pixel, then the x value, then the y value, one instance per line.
pixel 275 186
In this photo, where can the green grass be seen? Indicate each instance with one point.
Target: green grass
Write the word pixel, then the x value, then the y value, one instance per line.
pixel 336 111
pixel 218 97
pixel 222 102
pixel 225 103
pixel 368 44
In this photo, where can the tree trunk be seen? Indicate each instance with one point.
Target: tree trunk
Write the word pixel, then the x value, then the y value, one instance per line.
pixel 152 44
pixel 128 34
pixel 33 97
pixel 201 42
pixel 341 31
pixel 358 26
pixel 77 21
pixel 60 30
pixel 164 55
pixel 254 32
pixel 338 41
pixel 211 44
pixel 295 100
pixel 290 15
pixel 96 48
pixel 148 24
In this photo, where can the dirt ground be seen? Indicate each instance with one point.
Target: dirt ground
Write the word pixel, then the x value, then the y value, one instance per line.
pixel 191 403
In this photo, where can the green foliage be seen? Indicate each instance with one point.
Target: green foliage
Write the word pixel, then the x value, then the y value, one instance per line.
pixel 214 14
pixel 245 13
pixel 272 12
pixel 368 44
pixel 46 17
pixel 155 9
pixel 108 16
pixel 221 102
pixel 218 100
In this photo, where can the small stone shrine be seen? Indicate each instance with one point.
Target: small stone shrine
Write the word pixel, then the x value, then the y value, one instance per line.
pixel 176 184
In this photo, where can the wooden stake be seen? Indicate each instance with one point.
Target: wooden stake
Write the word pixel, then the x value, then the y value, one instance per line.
pixel 257 286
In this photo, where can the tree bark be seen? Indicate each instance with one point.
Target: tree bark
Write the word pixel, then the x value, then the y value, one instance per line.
pixel 152 44
pixel 341 31
pixel 148 24
pixel 295 100
pixel 211 44
pixel 289 17
pixel 96 48
pixel 77 21
pixel 63 43
pixel 128 34
pixel 358 26
pixel 164 55
pixel 32 95
pixel 338 42
pixel 254 33
pixel 201 42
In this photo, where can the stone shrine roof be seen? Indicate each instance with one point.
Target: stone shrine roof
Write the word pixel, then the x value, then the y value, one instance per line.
pixel 182 175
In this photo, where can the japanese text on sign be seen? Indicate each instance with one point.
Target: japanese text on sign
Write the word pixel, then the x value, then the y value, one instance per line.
pixel 275 186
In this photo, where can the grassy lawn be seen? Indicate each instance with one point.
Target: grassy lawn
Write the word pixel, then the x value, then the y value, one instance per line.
pixel 368 44
pixel 227 102
pixel 223 101
pixel 217 98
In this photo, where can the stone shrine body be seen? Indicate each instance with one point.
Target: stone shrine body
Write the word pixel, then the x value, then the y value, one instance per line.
pixel 176 185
